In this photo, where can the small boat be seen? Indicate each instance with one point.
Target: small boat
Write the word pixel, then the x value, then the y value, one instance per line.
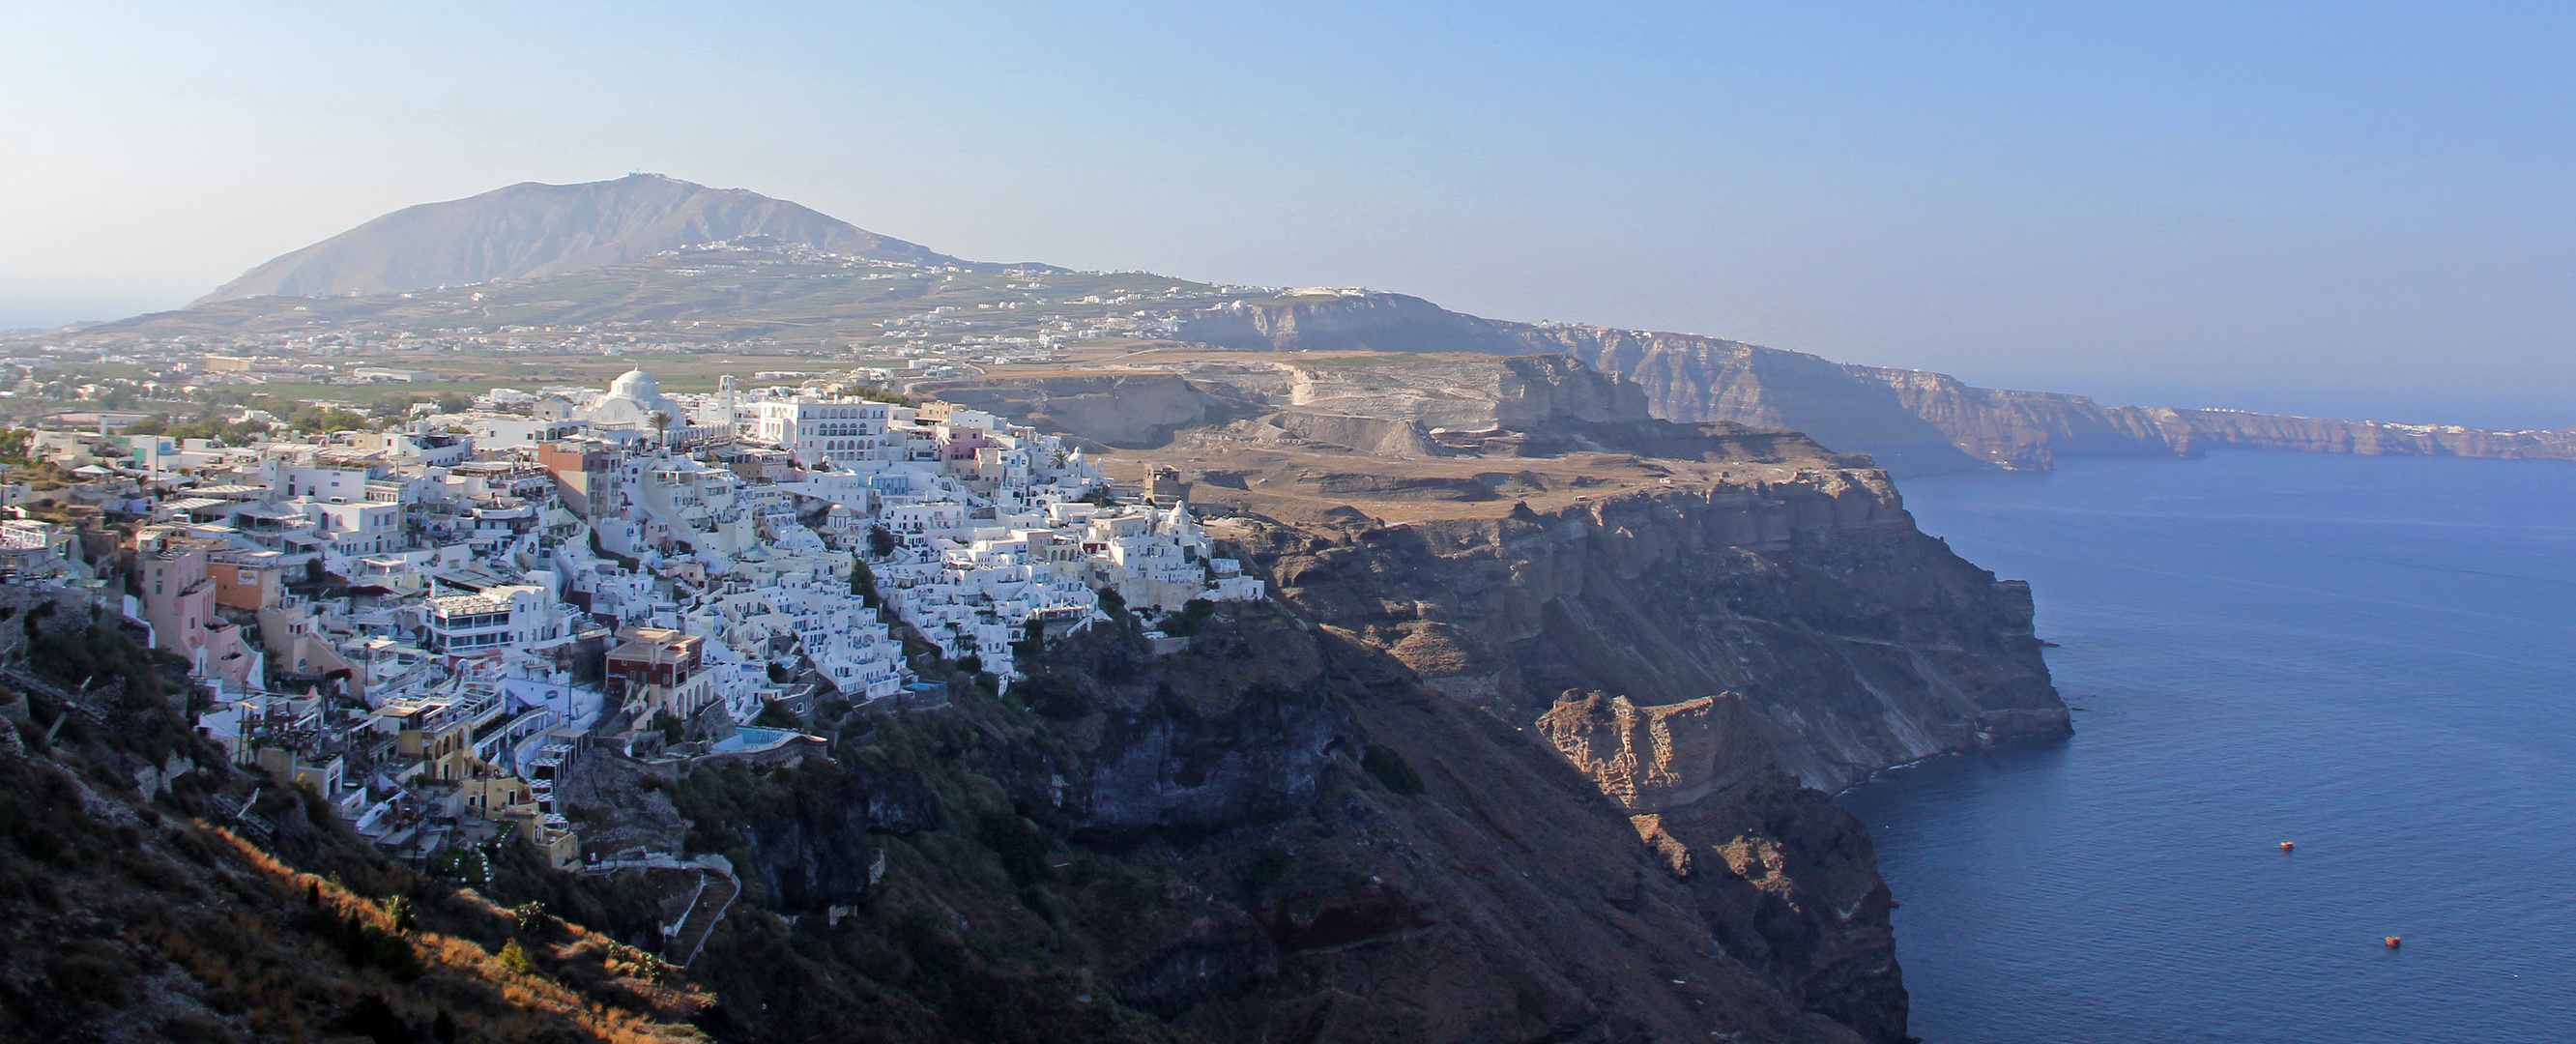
pixel 2391 941
pixel 2285 846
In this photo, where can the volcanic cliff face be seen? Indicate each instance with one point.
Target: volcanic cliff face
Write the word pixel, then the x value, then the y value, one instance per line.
pixel 1522 526
pixel 2030 430
pixel 1276 833
pixel 1705 622
pixel 1856 641
pixel 1912 421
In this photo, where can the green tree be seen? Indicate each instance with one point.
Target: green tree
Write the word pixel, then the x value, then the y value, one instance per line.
pixel 398 908
pixel 515 958
pixel 863 583
pixel 321 421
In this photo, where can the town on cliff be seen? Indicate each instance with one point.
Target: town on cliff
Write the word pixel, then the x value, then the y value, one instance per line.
pixel 425 625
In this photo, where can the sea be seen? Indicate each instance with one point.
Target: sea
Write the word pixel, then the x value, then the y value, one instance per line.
pixel 2373 658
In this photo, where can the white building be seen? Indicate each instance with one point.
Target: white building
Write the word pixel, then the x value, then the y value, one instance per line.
pixel 517 616
pixel 838 432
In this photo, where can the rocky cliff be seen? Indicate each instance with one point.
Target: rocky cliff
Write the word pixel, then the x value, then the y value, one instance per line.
pixel 1706 622
pixel 1853 641
pixel 1912 421
pixel 2030 430
pixel 1275 833
pixel 1520 526
pixel 1527 748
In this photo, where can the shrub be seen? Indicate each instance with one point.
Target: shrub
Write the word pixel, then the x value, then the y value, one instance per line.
pixel 398 910
pixel 1392 771
pixel 91 971
pixel 1020 844
pixel 531 917
pixel 1193 616
pixel 516 959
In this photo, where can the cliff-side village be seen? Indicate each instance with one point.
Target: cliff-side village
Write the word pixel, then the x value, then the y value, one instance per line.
pixel 430 626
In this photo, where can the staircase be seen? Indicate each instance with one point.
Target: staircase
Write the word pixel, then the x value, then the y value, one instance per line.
pixel 713 900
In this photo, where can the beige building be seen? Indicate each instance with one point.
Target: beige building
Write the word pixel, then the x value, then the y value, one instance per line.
pixel 657 672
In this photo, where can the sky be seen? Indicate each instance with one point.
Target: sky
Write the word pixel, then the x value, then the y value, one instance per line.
pixel 2350 209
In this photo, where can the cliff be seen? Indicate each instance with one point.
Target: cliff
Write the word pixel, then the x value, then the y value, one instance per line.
pixel 1912 421
pixel 1276 831
pixel 2030 430
pixel 1527 748
pixel 1515 527
pixel 1852 640
pixel 1708 623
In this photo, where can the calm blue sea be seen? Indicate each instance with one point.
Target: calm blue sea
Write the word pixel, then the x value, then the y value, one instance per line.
pixel 2372 657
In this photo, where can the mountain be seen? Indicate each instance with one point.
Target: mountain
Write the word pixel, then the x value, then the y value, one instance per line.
pixel 612 256
pixel 534 229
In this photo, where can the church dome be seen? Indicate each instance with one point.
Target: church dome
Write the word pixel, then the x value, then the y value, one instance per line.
pixel 637 385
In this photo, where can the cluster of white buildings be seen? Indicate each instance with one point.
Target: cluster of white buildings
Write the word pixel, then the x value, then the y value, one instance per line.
pixel 432 622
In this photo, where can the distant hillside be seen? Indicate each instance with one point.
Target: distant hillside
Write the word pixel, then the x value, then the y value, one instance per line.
pixel 532 229
pixel 1914 421
pixel 556 262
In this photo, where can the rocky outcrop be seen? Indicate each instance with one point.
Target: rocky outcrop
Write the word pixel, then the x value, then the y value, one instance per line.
pixel 812 850
pixel 1784 879
pixel 1857 640
pixel 1788 883
pixel 1242 737
pixel 1652 758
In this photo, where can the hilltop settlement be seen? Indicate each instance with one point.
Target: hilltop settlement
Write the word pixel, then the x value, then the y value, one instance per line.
pixel 435 624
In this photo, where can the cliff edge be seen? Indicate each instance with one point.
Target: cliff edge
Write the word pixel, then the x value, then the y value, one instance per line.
pixel 1912 422
pixel 1710 625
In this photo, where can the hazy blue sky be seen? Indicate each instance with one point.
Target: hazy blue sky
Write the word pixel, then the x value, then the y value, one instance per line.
pixel 2345 208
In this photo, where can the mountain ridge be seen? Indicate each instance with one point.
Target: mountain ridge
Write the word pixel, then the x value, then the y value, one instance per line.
pixel 1914 422
pixel 536 229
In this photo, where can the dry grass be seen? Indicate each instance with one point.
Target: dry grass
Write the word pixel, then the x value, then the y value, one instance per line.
pixel 632 999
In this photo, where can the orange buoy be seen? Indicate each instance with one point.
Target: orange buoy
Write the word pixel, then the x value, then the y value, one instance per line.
pixel 2285 846
pixel 2392 942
